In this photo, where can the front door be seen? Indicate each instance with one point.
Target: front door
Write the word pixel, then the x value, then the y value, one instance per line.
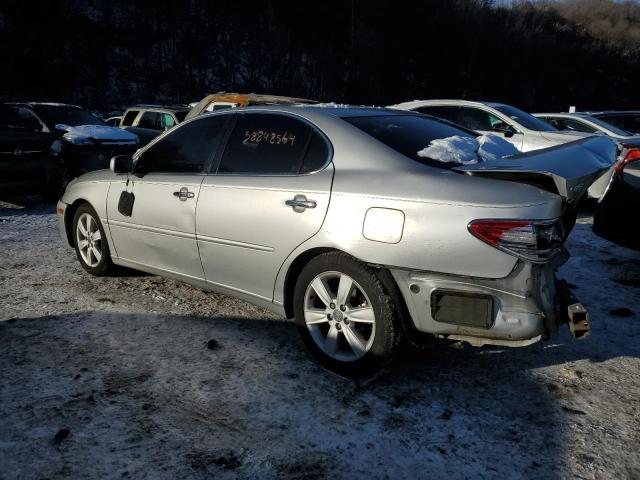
pixel 160 231
pixel 269 194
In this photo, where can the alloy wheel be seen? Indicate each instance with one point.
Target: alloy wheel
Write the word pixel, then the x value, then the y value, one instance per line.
pixel 339 316
pixel 89 240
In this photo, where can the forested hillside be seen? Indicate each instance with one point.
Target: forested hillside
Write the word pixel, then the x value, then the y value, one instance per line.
pixel 108 54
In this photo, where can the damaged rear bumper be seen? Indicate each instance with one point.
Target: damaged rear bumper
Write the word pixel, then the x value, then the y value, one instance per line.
pixel 528 305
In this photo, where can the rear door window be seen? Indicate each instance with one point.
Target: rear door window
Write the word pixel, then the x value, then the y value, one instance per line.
pixel 151 120
pixel 187 149
pixel 272 144
pixel 476 119
pixel 129 117
pixel 573 125
pixel 441 111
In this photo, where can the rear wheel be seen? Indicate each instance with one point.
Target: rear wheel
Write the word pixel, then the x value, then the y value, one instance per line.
pixel 344 315
pixel 90 241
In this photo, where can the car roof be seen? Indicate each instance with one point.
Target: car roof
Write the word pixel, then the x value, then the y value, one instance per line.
pixel 161 108
pixel 47 104
pixel 563 114
pixel 328 109
pixel 450 101
pixel 612 112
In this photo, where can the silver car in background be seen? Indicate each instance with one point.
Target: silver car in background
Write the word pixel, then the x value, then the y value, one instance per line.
pixel 329 215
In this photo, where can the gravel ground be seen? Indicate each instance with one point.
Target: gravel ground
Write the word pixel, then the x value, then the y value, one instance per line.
pixel 136 376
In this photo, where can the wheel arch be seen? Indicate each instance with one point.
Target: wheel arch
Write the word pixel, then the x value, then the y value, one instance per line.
pixel 383 274
pixel 69 213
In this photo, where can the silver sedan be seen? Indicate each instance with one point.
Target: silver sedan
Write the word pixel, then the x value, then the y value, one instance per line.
pixel 329 215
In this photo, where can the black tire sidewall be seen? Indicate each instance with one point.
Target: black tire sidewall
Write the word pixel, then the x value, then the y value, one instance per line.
pixel 105 262
pixel 386 332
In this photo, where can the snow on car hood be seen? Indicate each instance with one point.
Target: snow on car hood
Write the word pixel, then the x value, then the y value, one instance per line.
pixel 468 150
pixel 86 134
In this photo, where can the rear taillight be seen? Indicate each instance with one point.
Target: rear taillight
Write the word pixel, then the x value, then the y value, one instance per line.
pixel 630 155
pixel 531 240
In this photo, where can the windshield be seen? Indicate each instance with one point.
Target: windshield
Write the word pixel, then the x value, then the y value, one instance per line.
pixel 409 134
pixel 67 115
pixel 10 120
pixel 610 127
pixel 525 119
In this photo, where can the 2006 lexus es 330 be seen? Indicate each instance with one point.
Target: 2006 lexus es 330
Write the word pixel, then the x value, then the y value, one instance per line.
pixel 329 215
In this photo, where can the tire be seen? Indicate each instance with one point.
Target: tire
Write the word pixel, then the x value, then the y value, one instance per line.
pixel 95 258
pixel 355 335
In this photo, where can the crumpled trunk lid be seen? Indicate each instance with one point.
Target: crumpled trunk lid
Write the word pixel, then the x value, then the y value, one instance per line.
pixel 567 170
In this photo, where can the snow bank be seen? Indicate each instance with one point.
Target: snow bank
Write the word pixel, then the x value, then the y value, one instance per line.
pixel 468 150
pixel 86 133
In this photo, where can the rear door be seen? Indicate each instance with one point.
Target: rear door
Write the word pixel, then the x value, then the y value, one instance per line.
pixel 160 232
pixel 268 194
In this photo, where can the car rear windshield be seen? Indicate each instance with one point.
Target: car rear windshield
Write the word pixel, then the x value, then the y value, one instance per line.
pixel 408 134
pixel 67 115
pixel 611 127
pixel 525 119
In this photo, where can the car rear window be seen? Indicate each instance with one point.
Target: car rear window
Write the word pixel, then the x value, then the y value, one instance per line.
pixel 408 134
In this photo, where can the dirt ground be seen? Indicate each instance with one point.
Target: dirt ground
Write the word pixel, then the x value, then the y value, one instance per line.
pixel 140 377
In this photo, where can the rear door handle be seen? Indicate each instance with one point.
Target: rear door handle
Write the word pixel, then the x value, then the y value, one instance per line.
pixel 183 194
pixel 300 203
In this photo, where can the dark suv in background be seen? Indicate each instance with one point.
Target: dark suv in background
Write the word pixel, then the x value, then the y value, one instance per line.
pixel 78 141
pixel 26 162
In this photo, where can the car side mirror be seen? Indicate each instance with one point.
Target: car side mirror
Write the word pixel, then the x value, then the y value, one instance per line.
pixel 121 164
pixel 506 130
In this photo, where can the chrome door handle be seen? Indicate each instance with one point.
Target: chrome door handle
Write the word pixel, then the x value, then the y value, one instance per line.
pixel 183 194
pixel 300 203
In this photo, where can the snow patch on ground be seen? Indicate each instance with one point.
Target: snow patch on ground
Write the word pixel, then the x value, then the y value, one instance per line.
pixel 468 150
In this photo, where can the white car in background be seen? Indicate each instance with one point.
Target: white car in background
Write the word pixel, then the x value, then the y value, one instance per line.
pixel 522 129
pixel 586 123
pixel 629 143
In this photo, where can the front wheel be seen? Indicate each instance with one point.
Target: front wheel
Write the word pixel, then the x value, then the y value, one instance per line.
pixel 90 241
pixel 344 315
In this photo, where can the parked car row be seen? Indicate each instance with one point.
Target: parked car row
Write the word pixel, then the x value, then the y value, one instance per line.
pixel 365 224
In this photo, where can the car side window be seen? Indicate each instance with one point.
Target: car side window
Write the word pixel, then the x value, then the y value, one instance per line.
pixel 129 117
pixel 575 126
pixel 152 120
pixel 187 149
pixel 476 119
pixel 441 111
pixel 272 144
pixel 167 121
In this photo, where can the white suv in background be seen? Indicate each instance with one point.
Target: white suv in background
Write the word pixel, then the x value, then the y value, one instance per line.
pixel 522 129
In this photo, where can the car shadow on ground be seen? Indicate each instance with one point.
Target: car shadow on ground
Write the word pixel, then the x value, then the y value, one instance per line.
pixel 164 396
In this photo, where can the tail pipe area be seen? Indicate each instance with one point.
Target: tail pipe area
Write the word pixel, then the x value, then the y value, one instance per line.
pixel 572 312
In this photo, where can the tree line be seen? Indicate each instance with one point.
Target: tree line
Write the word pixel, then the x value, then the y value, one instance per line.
pixel 107 54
